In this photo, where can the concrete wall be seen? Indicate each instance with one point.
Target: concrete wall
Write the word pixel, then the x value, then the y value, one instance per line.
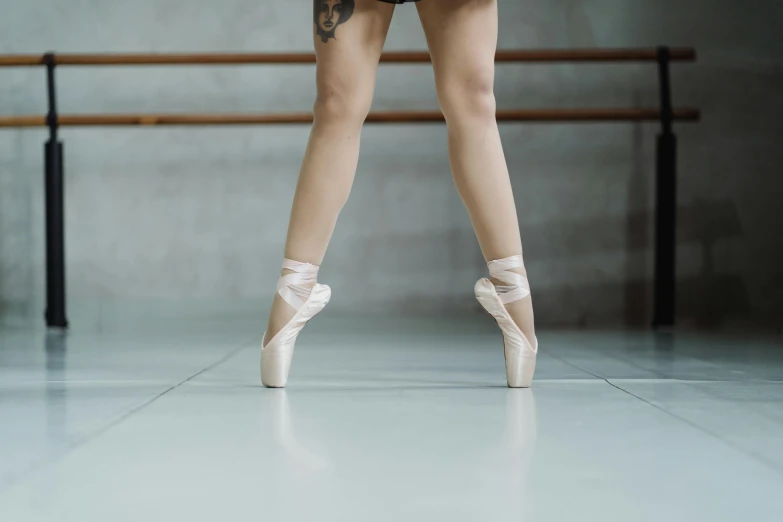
pixel 161 217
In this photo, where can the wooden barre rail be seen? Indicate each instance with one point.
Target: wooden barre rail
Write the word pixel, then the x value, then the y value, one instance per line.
pixel 537 55
pixel 529 115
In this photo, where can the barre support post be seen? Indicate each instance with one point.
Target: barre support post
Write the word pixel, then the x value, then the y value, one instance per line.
pixel 665 204
pixel 54 200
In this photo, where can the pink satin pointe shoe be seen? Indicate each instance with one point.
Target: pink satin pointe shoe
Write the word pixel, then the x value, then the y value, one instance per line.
pixel 294 288
pixel 519 351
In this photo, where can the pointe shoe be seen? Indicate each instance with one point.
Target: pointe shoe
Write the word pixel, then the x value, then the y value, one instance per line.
pixel 519 352
pixel 276 355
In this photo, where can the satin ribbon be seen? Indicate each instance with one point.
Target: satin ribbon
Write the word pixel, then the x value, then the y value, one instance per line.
pixel 295 287
pixel 516 286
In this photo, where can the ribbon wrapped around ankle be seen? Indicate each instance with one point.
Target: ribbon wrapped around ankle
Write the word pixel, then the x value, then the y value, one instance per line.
pixel 296 287
pixel 516 286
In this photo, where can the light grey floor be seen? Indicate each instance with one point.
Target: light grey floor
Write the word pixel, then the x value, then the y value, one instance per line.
pixel 389 421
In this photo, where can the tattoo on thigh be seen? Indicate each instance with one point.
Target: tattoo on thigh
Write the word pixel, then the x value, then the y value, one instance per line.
pixel 328 14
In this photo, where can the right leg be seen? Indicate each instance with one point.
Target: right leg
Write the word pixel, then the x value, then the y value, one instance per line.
pixel 349 37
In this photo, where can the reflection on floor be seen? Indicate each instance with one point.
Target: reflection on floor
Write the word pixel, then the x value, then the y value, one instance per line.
pixel 389 421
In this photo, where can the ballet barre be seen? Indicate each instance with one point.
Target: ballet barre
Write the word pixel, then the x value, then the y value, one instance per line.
pixel 665 114
pixel 527 115
pixel 503 56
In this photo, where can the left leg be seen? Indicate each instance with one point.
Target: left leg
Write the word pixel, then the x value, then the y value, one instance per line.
pixel 462 37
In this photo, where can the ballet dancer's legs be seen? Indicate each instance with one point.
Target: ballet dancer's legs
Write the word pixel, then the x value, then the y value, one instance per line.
pixel 348 45
pixel 462 38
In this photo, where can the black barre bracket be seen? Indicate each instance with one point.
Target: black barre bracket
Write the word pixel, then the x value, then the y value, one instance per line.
pixel 55 205
pixel 665 204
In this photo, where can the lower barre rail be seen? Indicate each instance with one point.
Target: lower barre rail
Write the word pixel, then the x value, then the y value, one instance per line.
pixel 522 115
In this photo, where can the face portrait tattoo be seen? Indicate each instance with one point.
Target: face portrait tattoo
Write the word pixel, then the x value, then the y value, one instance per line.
pixel 328 14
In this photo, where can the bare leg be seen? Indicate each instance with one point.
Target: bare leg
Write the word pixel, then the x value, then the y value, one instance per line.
pixel 348 45
pixel 462 37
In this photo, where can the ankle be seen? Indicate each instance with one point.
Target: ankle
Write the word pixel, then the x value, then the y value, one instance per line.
pixel 296 283
pixel 309 284
pixel 499 282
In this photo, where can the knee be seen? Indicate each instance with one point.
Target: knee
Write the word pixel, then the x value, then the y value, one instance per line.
pixel 341 102
pixel 468 96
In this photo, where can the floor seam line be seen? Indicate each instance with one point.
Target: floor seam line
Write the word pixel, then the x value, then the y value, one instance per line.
pixel 758 458
pixel 118 420
pixel 749 454
pixel 572 365
pixel 138 408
